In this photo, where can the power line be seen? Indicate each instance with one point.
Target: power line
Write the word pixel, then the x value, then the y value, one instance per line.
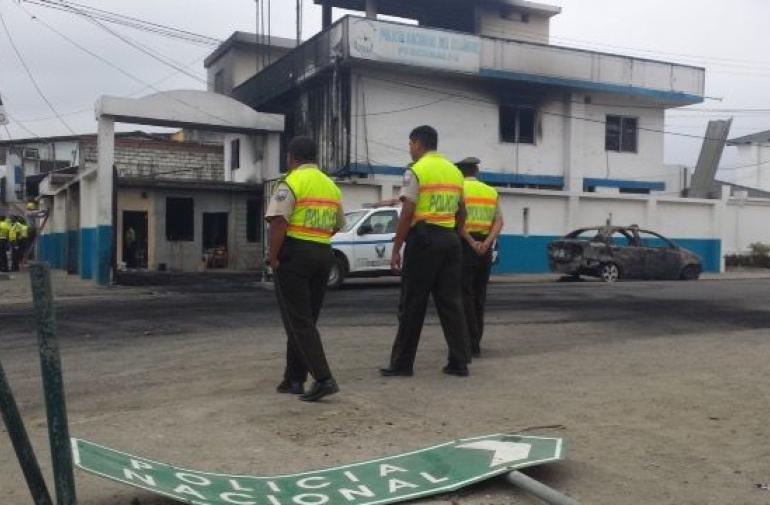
pixel 765 65
pixel 140 47
pixel 32 78
pixel 128 21
pixel 21 125
pixel 90 108
pixel 567 116
pixel 120 69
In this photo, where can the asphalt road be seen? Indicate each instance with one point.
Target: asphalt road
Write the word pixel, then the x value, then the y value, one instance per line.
pixel 626 310
pixel 659 388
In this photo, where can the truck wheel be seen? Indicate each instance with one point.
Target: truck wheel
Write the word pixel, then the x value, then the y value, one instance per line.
pixel 609 272
pixel 337 273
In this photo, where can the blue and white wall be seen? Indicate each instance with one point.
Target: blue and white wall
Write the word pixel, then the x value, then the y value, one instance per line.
pixel 533 218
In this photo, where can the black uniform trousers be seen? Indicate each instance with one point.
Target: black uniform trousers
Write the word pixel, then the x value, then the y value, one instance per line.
pixel 4 255
pixel 300 286
pixel 476 271
pixel 15 257
pixel 432 264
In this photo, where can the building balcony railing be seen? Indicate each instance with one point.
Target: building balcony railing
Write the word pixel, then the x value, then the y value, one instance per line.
pixel 359 39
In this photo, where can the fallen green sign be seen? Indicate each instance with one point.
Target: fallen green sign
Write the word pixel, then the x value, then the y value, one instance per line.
pixel 438 469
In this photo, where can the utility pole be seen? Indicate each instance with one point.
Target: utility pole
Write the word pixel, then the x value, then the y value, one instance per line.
pixel 326 18
pixel 299 22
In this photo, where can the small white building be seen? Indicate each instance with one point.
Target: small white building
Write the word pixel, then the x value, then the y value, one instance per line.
pixel 176 205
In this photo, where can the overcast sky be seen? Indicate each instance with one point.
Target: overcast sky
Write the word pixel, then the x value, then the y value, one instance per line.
pixel 731 39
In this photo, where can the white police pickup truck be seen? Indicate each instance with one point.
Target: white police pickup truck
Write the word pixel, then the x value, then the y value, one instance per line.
pixel 363 247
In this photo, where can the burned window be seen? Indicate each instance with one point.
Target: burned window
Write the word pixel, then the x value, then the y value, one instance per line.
pixel 219 81
pixel 235 154
pixel 517 124
pixel 254 220
pixel 621 134
pixel 180 219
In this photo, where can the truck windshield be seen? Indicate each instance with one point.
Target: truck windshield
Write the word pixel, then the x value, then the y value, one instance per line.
pixel 352 219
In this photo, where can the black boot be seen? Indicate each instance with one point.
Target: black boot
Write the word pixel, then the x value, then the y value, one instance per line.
pixel 320 389
pixel 292 388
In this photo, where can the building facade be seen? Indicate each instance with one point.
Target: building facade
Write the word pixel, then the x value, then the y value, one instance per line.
pixel 174 208
pixel 570 137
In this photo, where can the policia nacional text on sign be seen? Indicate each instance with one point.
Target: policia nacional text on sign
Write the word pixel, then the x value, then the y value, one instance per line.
pixel 438 469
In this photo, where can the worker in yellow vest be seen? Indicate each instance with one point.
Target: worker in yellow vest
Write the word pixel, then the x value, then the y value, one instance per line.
pixel 23 239
pixel 482 226
pixel 304 212
pixel 432 206
pixel 13 244
pixel 5 228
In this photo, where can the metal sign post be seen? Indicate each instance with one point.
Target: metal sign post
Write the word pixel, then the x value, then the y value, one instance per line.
pixel 539 490
pixel 24 452
pixel 53 386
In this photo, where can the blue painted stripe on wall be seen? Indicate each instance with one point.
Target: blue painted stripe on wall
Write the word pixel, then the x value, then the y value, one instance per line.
pixel 525 179
pixel 73 251
pixel 666 96
pixel 618 183
pixel 535 180
pixel 52 249
pixel 87 252
pixel 103 257
pixel 519 254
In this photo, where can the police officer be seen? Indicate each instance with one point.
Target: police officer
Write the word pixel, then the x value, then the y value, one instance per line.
pixel 483 224
pixel 13 244
pixel 304 212
pixel 5 229
pixel 23 239
pixel 431 208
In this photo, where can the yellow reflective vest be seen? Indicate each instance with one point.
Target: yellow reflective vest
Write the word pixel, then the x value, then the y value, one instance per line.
pixel 480 205
pixel 5 229
pixel 318 201
pixel 24 231
pixel 441 185
pixel 13 232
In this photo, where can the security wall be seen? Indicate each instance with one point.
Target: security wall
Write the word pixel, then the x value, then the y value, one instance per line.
pixel 534 218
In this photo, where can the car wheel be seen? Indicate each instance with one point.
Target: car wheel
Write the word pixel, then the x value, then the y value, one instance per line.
pixel 609 272
pixel 690 273
pixel 337 273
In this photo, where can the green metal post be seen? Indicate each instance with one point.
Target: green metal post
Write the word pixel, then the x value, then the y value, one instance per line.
pixel 24 452
pixel 53 384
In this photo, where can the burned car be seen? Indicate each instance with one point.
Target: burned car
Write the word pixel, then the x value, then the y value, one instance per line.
pixel 616 252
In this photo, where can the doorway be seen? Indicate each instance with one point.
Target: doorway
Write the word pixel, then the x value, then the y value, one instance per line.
pixel 215 239
pixel 135 239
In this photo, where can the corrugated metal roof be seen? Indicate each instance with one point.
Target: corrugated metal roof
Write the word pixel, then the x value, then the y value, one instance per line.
pixel 754 138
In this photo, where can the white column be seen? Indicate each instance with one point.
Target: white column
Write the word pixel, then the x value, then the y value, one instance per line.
pixel 575 111
pixel 102 254
pixel 652 213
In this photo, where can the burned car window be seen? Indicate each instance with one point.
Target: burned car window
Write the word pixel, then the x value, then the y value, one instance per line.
pixel 654 241
pixel 623 239
pixel 587 235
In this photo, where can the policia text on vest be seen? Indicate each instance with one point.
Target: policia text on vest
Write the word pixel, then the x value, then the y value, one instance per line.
pixel 432 210
pixel 304 212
